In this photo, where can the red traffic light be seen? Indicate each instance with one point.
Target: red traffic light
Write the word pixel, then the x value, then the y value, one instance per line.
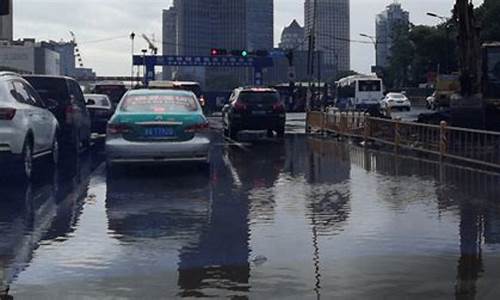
pixel 218 52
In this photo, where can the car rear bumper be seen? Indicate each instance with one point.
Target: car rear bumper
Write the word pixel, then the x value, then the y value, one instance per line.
pixel 398 105
pixel 119 150
pixel 11 140
pixel 258 123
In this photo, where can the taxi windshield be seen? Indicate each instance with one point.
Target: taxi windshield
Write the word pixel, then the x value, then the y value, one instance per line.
pixel 159 103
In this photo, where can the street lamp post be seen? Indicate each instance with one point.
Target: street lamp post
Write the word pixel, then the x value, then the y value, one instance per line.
pixel 442 18
pixel 144 51
pixel 132 38
pixel 447 31
pixel 374 41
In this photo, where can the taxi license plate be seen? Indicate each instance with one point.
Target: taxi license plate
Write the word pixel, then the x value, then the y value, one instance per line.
pixel 158 132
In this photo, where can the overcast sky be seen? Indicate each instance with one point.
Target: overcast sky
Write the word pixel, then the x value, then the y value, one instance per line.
pixel 103 26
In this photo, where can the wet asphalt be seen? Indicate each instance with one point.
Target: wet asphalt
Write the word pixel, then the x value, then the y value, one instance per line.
pixel 296 218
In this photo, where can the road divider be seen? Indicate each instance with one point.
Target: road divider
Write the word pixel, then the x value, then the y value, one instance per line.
pixel 468 145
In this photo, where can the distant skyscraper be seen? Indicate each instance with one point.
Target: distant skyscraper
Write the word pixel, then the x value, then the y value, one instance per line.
pixel 386 22
pixel 169 34
pixel 260 24
pixel 204 24
pixel 332 32
pixel 293 37
pixel 6 25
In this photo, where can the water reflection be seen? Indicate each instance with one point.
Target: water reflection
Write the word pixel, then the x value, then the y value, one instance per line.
pixel 202 218
pixel 471 194
pixel 46 210
pixel 254 172
pixel 328 173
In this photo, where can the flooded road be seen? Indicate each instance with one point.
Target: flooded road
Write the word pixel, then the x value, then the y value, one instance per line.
pixel 301 218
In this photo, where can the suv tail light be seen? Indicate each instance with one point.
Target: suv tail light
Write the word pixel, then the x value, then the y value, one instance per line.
pixel 117 129
pixel 69 113
pixel 279 107
pixel 7 113
pixel 239 106
pixel 203 127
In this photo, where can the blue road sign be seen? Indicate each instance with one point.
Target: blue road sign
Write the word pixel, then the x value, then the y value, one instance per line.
pixel 203 61
pixel 151 61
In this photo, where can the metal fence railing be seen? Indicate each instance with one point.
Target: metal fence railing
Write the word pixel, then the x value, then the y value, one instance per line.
pixel 470 145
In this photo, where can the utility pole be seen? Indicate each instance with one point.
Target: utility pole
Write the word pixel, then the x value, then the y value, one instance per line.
pixel 469 48
pixel 311 51
pixel 468 110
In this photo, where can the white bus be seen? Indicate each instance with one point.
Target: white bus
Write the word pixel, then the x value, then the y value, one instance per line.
pixel 358 92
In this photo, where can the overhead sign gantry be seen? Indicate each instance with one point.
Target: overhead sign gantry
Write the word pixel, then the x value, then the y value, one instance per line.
pixel 151 61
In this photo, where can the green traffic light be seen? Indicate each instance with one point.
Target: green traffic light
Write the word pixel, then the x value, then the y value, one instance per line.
pixel 244 53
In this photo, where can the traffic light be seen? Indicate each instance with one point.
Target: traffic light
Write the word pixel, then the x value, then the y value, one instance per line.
pixel 241 53
pixel 4 7
pixel 218 52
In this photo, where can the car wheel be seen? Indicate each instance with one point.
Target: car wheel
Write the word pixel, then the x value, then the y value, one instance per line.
pixel 225 129
pixel 55 151
pixel 27 163
pixel 76 144
pixel 233 133
pixel 86 143
pixel 281 132
pixel 110 168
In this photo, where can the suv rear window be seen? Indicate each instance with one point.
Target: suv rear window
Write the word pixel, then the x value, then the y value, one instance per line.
pixel 100 101
pixel 114 92
pixel 159 103
pixel 50 88
pixel 259 97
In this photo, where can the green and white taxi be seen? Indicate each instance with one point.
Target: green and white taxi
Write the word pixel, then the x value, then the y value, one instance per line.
pixel 158 126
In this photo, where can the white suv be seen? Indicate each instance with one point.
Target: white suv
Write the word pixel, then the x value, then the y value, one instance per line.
pixel 28 130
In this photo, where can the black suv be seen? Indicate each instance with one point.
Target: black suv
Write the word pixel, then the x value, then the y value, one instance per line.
pixel 65 100
pixel 254 109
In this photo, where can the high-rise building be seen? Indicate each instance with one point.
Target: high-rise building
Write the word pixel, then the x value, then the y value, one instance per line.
pixel 293 37
pixel 169 34
pixel 66 52
pixel 6 24
pixel 204 24
pixel 29 56
pixel 331 18
pixel 386 23
pixel 260 24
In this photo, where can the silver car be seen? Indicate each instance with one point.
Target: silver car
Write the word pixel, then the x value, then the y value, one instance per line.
pixel 28 130
pixel 156 126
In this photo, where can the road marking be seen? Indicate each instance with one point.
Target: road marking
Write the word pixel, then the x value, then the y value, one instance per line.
pixel 237 144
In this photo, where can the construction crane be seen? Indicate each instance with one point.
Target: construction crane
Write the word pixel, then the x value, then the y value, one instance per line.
pixel 152 47
pixel 77 50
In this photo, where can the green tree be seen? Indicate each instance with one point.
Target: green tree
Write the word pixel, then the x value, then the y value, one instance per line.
pixel 488 13
pixel 402 55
